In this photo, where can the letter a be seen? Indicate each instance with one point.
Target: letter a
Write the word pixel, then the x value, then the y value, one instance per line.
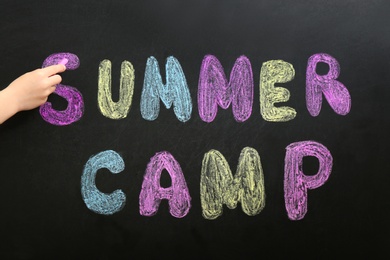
pixel 152 193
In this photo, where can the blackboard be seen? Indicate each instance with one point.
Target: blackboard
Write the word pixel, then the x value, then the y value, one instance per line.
pixel 44 213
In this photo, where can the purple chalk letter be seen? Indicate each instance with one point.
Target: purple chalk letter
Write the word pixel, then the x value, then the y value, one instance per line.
pixel 296 183
pixel 152 193
pixel 334 91
pixel 75 108
pixel 213 89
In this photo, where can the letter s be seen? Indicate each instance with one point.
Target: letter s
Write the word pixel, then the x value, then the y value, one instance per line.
pixel 75 108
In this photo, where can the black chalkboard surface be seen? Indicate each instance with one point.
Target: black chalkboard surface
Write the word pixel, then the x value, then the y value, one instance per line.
pixel 274 144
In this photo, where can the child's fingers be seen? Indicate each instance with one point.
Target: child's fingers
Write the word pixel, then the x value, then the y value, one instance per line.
pixel 52 89
pixel 54 69
pixel 54 80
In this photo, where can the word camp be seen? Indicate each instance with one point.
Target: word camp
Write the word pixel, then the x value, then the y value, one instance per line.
pixel 218 186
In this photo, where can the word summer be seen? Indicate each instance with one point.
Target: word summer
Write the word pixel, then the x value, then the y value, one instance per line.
pixel 218 186
pixel 213 90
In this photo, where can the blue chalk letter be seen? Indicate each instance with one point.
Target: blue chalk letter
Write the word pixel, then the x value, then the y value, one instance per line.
pixel 175 91
pixel 102 203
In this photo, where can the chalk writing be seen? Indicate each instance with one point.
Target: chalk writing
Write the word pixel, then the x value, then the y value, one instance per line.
pixel 109 108
pixel 275 71
pixel 94 199
pixel 152 193
pixel 334 91
pixel 218 187
pixel 214 90
pixel 296 182
pixel 174 92
pixel 75 108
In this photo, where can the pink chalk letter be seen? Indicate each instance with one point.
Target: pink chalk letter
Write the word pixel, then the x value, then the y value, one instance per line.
pixel 75 108
pixel 214 89
pixel 152 193
pixel 296 182
pixel 334 91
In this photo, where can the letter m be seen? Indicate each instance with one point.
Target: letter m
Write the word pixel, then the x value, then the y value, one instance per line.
pixel 218 187
pixel 175 91
pixel 214 90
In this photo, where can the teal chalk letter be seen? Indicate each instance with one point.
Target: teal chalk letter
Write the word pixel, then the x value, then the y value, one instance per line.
pixel 175 91
pixel 97 201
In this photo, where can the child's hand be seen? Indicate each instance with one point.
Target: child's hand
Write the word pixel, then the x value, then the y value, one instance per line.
pixel 33 88
pixel 29 90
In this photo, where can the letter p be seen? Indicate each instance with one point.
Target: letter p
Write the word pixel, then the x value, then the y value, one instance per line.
pixel 296 182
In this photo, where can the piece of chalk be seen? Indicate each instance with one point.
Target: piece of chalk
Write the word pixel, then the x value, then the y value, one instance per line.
pixel 63 61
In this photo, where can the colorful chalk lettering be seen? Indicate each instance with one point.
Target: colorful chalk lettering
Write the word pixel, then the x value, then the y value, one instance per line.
pixel 152 193
pixel 296 183
pixel 175 91
pixel 218 187
pixel 275 71
pixel 109 108
pixel 214 90
pixel 75 107
pixel 95 200
pixel 334 91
